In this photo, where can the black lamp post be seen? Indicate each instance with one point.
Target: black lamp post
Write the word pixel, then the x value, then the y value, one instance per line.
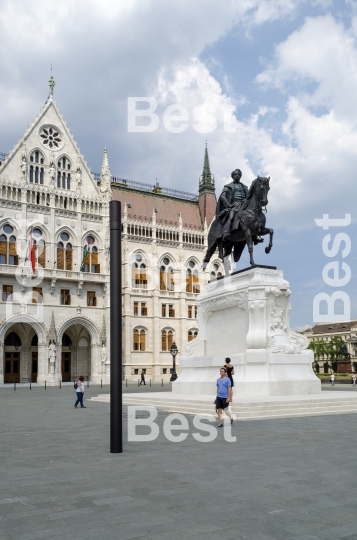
pixel 173 351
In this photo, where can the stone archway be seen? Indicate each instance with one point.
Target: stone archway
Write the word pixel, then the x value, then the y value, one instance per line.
pixel 29 355
pixel 79 344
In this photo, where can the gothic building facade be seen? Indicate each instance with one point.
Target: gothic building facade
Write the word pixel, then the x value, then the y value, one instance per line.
pixel 54 321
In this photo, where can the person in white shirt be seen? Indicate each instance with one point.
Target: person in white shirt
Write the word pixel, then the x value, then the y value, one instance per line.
pixel 80 392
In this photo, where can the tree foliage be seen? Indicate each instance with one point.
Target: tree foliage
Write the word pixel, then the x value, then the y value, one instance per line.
pixel 329 350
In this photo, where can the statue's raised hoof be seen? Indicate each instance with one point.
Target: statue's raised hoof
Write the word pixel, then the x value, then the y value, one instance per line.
pixel 267 249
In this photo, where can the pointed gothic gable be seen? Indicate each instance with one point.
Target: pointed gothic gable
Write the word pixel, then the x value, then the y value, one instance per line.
pixel 47 154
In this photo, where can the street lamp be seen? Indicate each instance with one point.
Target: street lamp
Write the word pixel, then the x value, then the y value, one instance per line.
pixel 173 351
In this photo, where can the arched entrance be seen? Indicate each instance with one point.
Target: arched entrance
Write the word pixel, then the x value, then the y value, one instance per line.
pixel 22 349
pixel 12 358
pixel 80 342
pixel 75 353
pixel 20 354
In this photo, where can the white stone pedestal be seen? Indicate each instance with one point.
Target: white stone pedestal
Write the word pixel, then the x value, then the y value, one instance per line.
pixel 245 317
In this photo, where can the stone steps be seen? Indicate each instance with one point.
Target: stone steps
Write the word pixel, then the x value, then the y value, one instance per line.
pixel 248 410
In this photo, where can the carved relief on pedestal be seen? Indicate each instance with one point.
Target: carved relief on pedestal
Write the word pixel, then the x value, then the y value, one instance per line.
pixel 281 339
pixel 238 299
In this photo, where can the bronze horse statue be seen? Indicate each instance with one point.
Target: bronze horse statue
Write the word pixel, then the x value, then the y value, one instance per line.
pixel 248 226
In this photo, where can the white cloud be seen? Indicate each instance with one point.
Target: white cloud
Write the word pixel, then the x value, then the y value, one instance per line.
pixel 103 52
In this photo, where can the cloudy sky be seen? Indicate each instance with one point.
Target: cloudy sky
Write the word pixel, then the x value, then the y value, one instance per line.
pixel 270 84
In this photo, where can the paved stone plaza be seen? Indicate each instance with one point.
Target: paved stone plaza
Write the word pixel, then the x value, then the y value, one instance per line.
pixel 282 480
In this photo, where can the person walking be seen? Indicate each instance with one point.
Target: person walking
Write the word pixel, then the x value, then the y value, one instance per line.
pixel 354 379
pixel 224 396
pixel 332 379
pixel 142 378
pixel 80 392
pixel 230 371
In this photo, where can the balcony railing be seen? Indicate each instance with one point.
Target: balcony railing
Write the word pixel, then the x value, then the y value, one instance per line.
pixel 54 273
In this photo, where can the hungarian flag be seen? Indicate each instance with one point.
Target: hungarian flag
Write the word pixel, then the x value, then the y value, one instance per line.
pixel 31 255
pixel 85 253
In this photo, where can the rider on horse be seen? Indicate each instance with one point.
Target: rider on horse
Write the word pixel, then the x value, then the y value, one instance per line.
pixel 231 203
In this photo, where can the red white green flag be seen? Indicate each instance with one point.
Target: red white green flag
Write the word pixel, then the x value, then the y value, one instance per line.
pixel 31 255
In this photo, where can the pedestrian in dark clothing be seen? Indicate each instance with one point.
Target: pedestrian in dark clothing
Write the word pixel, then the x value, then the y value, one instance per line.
pixel 79 388
pixel 142 377
pixel 230 371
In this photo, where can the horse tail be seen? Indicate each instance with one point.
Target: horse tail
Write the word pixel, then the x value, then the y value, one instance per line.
pixel 210 250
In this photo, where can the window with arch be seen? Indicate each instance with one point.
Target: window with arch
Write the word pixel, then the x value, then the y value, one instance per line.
pixel 192 279
pixel 12 340
pixel 8 253
pixel 64 252
pixel 192 334
pixel 39 247
pixel 167 339
pixel 166 275
pixel 215 272
pixel 90 261
pixel 139 273
pixel 64 173
pixel 37 168
pixel 139 340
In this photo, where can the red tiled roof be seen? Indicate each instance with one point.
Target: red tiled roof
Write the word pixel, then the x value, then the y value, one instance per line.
pixel 207 204
pixel 142 204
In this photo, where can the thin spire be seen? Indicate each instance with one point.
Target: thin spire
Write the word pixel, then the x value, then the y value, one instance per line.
pixel 206 180
pixel 52 334
pixel 105 165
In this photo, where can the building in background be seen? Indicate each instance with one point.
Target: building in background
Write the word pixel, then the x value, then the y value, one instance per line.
pixel 346 330
pixel 54 213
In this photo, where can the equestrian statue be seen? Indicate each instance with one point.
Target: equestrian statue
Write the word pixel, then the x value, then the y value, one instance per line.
pixel 240 219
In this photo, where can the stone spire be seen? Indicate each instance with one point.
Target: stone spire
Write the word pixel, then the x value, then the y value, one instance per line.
pixel 105 165
pixel 206 180
pixel 52 334
pixel 105 175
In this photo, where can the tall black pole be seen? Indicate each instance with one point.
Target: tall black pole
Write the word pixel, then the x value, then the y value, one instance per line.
pixel 116 427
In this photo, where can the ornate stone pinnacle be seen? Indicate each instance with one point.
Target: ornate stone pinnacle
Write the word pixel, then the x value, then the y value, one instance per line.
pixel 51 84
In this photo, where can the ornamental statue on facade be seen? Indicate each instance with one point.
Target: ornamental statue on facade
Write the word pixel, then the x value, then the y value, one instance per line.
pixel 52 171
pixel 104 357
pixel 23 164
pixel 240 219
pixel 52 352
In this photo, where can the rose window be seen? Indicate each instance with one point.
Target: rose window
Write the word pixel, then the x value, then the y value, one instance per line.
pixel 50 137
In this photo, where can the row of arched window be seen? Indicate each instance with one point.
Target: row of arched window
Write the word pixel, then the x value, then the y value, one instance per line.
pixel 167 339
pixel 64 261
pixel 167 282
pixel 37 170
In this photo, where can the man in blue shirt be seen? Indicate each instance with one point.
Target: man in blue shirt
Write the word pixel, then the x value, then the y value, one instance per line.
pixel 224 396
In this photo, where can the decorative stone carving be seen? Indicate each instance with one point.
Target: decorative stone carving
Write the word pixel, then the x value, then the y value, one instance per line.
pixel 80 285
pixel 53 284
pixel 52 353
pixel 23 164
pixel 78 177
pixel 237 299
pixel 103 357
